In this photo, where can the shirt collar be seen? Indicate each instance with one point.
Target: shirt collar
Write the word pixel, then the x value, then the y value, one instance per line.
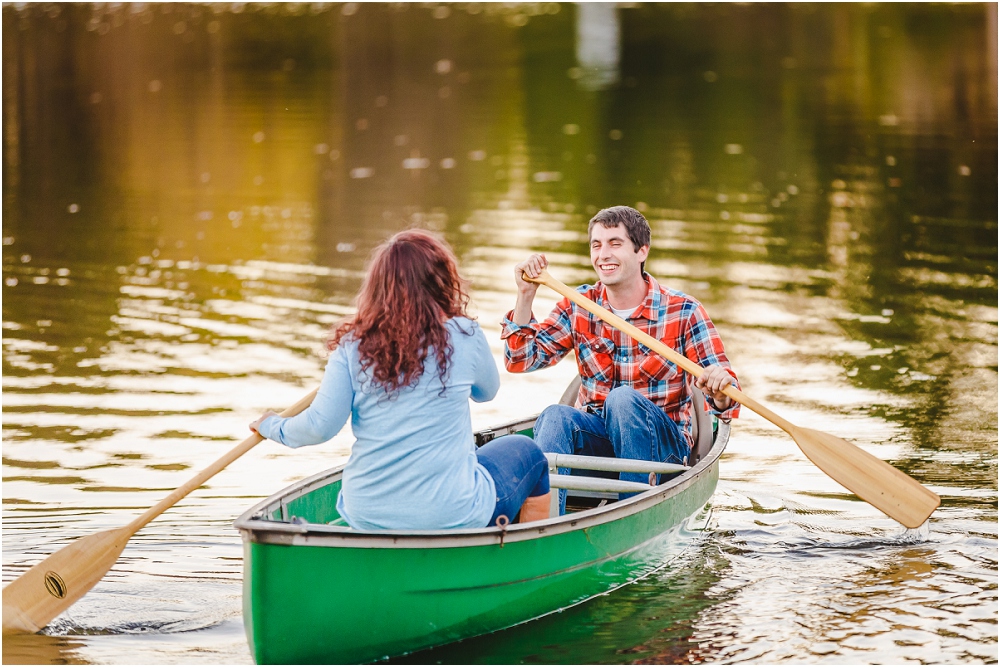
pixel 650 307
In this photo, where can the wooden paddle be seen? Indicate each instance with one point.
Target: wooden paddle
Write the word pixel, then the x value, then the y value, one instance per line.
pixel 52 586
pixel 872 479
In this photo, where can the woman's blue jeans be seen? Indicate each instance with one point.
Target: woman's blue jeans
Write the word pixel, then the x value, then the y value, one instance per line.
pixel 629 426
pixel 519 470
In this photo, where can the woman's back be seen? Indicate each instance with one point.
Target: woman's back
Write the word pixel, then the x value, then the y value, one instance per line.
pixel 413 465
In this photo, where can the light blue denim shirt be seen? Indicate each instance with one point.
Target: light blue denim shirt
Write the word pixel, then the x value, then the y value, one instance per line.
pixel 413 465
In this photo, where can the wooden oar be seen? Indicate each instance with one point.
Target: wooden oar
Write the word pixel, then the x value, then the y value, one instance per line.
pixel 52 586
pixel 872 479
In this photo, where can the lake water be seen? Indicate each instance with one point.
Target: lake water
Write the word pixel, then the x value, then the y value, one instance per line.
pixel 190 193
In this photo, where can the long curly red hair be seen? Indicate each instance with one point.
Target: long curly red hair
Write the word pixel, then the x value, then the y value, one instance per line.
pixel 411 289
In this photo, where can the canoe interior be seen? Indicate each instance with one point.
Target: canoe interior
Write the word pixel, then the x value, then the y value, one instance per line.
pixel 317 504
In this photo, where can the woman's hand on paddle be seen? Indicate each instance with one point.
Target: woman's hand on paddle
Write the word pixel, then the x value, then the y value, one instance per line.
pixel 712 382
pixel 256 424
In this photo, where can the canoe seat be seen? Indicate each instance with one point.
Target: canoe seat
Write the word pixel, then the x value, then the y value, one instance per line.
pixel 702 426
pixel 702 422
pixel 572 391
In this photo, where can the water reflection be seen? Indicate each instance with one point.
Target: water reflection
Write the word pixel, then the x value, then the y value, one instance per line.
pixel 41 650
pixel 598 45
pixel 190 194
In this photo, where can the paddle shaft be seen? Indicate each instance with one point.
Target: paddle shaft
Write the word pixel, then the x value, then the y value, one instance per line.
pixel 657 346
pixel 209 472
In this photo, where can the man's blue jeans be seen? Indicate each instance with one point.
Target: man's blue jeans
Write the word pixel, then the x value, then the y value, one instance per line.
pixel 630 426
pixel 519 470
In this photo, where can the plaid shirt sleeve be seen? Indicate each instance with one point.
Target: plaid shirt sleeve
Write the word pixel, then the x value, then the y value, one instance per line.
pixel 703 346
pixel 535 345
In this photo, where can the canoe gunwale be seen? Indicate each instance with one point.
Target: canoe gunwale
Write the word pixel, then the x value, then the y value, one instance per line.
pixel 261 531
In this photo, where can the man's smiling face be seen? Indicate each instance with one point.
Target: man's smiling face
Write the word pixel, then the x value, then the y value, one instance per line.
pixel 613 256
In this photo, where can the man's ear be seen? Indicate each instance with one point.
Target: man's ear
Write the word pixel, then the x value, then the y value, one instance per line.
pixel 643 253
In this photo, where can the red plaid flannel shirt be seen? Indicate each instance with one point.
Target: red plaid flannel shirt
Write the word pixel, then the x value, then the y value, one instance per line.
pixel 607 358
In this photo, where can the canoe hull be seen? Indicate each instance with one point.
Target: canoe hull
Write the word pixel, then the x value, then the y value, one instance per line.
pixel 328 595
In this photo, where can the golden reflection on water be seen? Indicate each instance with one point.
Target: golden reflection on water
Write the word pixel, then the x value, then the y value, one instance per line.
pixel 41 650
pixel 188 211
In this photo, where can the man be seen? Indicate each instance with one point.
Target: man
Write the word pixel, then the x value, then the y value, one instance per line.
pixel 633 403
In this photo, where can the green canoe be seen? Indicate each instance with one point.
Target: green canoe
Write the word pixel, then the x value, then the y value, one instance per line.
pixel 318 592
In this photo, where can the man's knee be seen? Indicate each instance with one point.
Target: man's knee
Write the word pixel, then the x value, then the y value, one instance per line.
pixel 620 399
pixel 554 427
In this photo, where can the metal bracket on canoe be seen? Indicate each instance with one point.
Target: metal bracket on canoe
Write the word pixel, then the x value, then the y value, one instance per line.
pixel 484 436
pixel 502 523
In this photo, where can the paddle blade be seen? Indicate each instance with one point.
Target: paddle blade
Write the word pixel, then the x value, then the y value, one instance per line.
pixel 894 492
pixel 49 588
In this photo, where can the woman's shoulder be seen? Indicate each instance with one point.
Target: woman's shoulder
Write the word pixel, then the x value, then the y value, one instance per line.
pixel 466 335
pixel 346 350
pixel 463 325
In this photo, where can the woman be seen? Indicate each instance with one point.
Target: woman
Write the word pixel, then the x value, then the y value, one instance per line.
pixel 404 368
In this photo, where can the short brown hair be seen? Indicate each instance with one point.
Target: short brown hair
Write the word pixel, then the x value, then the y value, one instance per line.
pixel 636 225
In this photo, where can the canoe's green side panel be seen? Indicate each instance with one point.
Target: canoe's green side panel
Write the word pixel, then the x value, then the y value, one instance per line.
pixel 314 604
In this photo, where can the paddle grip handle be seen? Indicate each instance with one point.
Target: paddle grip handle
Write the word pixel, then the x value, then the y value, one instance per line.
pixel 202 477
